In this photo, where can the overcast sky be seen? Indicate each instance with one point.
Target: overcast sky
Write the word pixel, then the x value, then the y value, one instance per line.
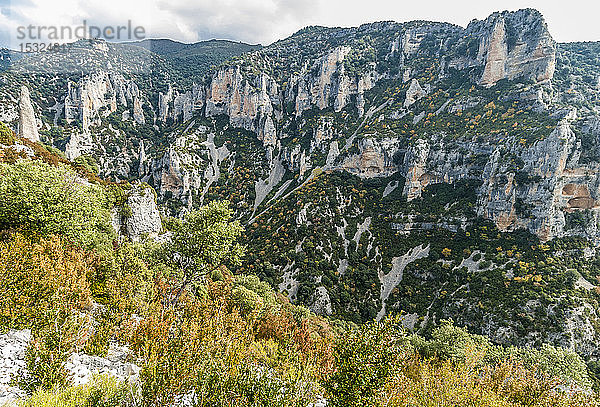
pixel 265 21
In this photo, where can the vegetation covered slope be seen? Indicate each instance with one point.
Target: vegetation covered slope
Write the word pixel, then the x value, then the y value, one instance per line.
pixel 427 192
pixel 229 340
pixel 194 60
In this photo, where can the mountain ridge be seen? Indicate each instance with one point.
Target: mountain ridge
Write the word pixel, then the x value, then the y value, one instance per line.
pixel 345 150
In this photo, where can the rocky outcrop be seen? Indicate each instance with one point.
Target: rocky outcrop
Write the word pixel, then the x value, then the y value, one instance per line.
pixel 80 143
pixel 415 167
pixel 188 167
pixel 84 367
pixel 497 53
pixel 163 104
pixel 27 121
pixel 414 93
pixel 12 348
pixel 247 102
pixel 375 158
pixel 98 95
pixel 321 303
pixel 138 113
pixel 550 187
pixel 326 84
pixel 145 218
pixel 514 44
pixel 139 216
pixel 81 366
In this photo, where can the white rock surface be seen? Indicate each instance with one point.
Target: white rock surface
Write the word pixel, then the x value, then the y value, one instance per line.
pixel 83 367
pixel 145 217
pixel 12 351
pixel 27 121
pixel 13 345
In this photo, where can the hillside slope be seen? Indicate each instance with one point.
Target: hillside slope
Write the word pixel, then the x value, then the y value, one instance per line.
pixel 421 167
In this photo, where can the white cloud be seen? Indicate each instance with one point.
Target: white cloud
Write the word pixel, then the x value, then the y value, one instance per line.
pixel 264 21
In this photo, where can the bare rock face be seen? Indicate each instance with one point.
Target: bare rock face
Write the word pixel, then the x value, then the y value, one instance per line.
pixel 374 159
pixel 27 121
pixel 550 186
pixel 514 44
pixel 138 113
pixel 12 347
pixel 416 161
pixel 98 95
pixel 318 89
pixel 145 218
pixel 183 168
pixel 247 102
pixel 79 144
pixel 180 106
pixel 84 100
pixel 83 368
pixel 411 40
pixel 326 84
pixel 163 104
pixel 139 217
pixel 495 64
pixel 546 160
pixel 321 303
pixel 414 93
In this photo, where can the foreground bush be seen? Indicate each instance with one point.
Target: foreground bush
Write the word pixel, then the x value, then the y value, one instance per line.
pixel 102 391
pixel 227 357
pixel 37 278
pixel 435 383
pixel 379 365
pixel 43 199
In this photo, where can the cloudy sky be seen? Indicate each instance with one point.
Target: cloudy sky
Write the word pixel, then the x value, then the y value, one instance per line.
pixel 265 21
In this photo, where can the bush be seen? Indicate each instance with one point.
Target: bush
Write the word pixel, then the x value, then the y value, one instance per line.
pixel 35 278
pixel 7 137
pixel 64 333
pixel 40 198
pixel 88 162
pixel 102 391
pixel 364 360
pixel 205 345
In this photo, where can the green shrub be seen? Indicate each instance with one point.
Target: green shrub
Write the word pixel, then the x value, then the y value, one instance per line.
pixel 102 391
pixel 364 359
pixel 43 199
pixel 88 162
pixel 7 137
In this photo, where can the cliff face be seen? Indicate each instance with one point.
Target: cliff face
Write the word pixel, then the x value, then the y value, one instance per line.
pixel 99 95
pixel 550 184
pixel 276 98
pixel 508 45
pixel 249 104
pixel 514 45
pixel 386 167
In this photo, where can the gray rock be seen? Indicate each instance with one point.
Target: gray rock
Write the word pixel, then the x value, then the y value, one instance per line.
pixel 27 121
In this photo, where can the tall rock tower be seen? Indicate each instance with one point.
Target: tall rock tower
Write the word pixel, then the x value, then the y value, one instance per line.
pixel 27 122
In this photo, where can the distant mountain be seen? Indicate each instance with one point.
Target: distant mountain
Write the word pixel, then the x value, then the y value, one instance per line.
pixel 173 48
pixel 195 59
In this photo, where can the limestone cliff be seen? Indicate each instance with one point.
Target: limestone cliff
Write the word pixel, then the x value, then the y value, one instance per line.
pixel 27 121
pixel 514 45
pixel 247 102
pixel 97 95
